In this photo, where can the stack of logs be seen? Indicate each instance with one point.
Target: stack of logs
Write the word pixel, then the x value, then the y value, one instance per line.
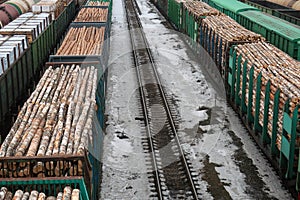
pixel 68 193
pixel 97 3
pixel 229 31
pixel 200 9
pixel 83 41
pixel 283 73
pixel 92 15
pixel 56 119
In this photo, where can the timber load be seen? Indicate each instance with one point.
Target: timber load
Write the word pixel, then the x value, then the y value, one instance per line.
pixel 54 127
pixel 57 118
pixel 83 41
pixel 92 15
pixel 222 32
pixel 67 193
pixel 200 9
pixel 97 3
pixel 283 73
pixel 229 30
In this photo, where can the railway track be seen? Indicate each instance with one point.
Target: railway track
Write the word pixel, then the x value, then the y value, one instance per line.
pixel 171 171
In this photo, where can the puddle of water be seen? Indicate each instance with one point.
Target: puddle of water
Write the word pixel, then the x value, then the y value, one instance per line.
pixel 216 187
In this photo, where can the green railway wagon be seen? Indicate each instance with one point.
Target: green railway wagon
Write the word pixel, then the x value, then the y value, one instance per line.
pixel 41 49
pixel 280 33
pixel 265 6
pixel 231 7
pixel 50 186
pixel 284 156
pixel 23 72
pixel 175 13
pixel 288 14
pixel 71 10
pixel 62 22
pixel 13 83
pixel 85 166
pixel 99 61
pixel 189 25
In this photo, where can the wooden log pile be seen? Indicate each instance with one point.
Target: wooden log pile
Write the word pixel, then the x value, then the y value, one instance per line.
pixel 283 73
pixel 92 15
pixel 67 193
pixel 57 117
pixel 200 9
pixel 97 3
pixel 229 31
pixel 83 41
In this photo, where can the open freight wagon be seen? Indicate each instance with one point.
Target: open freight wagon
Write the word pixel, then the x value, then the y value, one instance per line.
pixel 279 32
pixel 57 132
pixel 24 71
pixel 98 56
pixel 272 118
pixel 51 168
pixel 288 14
pixel 66 188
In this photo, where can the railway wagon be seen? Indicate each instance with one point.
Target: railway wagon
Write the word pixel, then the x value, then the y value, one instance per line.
pixel 21 74
pixel 174 12
pixel 288 14
pixel 57 132
pixel 192 15
pixel 269 111
pixel 231 7
pixel 57 187
pixel 97 53
pixel 278 33
pixel 282 34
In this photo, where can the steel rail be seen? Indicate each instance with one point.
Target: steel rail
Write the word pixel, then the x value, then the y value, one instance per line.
pixel 165 102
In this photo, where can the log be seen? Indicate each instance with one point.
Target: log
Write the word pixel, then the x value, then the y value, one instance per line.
pixel 34 195
pixel 25 196
pixel 41 196
pixel 75 194
pixel 3 192
pixel 59 196
pixel 65 139
pixel 18 195
pixel 60 126
pixel 67 193
pixel 51 198
pixel 36 139
pixel 8 196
